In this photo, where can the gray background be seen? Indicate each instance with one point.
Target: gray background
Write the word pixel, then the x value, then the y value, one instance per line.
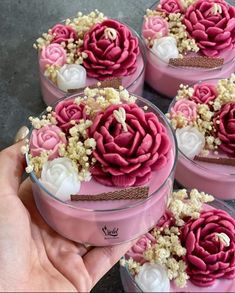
pixel 21 22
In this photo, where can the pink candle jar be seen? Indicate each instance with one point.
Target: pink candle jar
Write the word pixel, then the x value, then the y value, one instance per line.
pixel 187 41
pixel 86 50
pixel 100 163
pixel 201 242
pixel 203 119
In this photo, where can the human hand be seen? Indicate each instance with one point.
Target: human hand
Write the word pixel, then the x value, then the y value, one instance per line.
pixel 32 256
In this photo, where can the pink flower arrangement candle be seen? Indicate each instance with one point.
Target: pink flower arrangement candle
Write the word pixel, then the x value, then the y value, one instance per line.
pixel 188 41
pixel 195 253
pixel 98 160
pixel 205 135
pixel 88 49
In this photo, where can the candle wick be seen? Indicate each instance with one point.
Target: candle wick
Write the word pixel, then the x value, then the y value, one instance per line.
pixel 120 116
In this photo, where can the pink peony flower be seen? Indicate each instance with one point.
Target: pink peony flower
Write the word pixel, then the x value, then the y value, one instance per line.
pixel 212 24
pixel 204 93
pixel 225 128
pixel 62 33
pixel 155 27
pixel 127 158
pixel 47 138
pixel 68 110
pixel 170 6
pixel 53 54
pixel 136 252
pixel 112 50
pixel 186 108
pixel 210 244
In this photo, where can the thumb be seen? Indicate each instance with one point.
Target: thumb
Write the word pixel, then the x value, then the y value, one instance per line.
pixel 12 164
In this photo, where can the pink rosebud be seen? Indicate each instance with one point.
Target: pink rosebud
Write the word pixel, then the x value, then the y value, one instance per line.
pixel 127 158
pixel 224 123
pixel 210 245
pixel 212 24
pixel 53 54
pixel 170 6
pixel 136 252
pixel 166 221
pixel 62 33
pixel 47 138
pixel 155 27
pixel 111 50
pixel 204 93
pixel 67 111
pixel 186 108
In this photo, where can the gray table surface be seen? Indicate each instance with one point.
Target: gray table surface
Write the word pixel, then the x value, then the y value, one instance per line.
pixel 21 22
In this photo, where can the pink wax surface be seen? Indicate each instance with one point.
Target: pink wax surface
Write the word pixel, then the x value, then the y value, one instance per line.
pixel 133 83
pixel 107 222
pixel 215 179
pixel 166 79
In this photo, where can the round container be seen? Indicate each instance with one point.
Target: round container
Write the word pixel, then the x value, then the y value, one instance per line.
pixel 215 179
pixel 133 83
pixel 221 285
pixel 109 222
pixel 166 78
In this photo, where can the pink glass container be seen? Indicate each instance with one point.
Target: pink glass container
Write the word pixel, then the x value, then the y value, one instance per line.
pixel 166 78
pixel 133 83
pixel 109 222
pixel 215 179
pixel 221 285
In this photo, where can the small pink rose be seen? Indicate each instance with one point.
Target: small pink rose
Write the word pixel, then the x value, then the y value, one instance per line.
pixel 155 27
pixel 166 221
pixel 68 110
pixel 47 138
pixel 186 108
pixel 170 6
pixel 136 252
pixel 62 33
pixel 53 54
pixel 204 93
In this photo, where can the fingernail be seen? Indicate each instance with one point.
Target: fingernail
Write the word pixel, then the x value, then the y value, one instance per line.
pixel 21 133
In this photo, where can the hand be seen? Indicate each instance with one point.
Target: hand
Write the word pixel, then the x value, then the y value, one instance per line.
pixel 32 256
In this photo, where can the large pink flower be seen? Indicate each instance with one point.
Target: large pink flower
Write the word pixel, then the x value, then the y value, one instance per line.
pixel 47 138
pixel 186 108
pixel 210 244
pixel 204 93
pixel 136 252
pixel 154 27
pixel 53 54
pixel 67 111
pixel 170 6
pixel 112 50
pixel 127 158
pixel 62 33
pixel 224 123
pixel 212 24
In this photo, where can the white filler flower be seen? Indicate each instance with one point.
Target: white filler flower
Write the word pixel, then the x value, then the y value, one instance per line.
pixel 60 178
pixel 71 76
pixel 153 278
pixel 165 48
pixel 190 141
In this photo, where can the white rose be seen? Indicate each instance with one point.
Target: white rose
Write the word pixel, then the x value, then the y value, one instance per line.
pixel 60 178
pixel 71 76
pixel 165 48
pixel 152 278
pixel 190 141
